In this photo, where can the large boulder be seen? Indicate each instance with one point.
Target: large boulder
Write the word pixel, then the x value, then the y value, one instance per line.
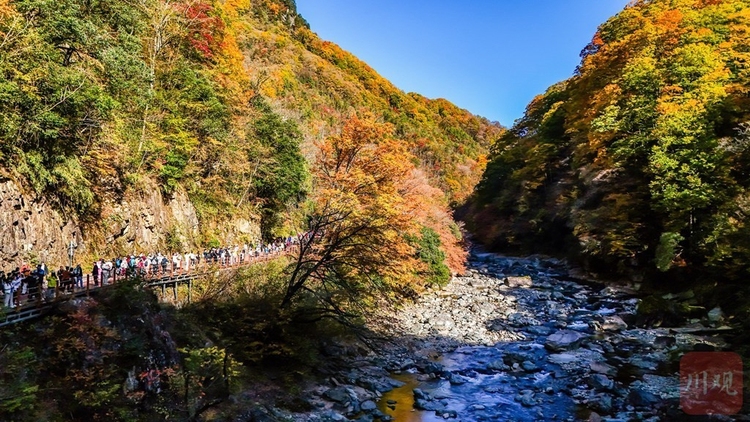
pixel 613 323
pixel 564 340
pixel 524 281
pixel 342 395
pixel 600 382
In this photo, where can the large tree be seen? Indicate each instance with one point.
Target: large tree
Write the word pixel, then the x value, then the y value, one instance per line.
pixel 362 208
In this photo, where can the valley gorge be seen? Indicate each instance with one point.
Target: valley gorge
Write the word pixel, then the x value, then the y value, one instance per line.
pixel 415 262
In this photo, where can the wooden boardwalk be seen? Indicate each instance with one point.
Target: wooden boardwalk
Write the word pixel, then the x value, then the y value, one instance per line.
pixel 38 308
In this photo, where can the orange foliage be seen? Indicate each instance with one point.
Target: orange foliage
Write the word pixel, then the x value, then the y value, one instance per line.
pixel 6 10
pixel 669 24
pixel 429 210
pixel 369 199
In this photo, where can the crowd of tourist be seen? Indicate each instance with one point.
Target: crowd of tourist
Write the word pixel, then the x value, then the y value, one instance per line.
pixel 41 284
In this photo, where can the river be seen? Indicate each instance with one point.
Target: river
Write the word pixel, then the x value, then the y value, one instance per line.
pixel 519 339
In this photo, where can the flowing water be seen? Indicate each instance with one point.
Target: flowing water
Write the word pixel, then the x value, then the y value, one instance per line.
pixel 575 351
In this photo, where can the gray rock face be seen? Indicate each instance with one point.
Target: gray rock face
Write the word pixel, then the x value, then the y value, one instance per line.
pixel 31 227
pixel 564 340
pixel 34 228
pixel 145 218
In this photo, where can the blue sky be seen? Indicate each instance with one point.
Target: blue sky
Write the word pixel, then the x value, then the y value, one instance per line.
pixel 490 57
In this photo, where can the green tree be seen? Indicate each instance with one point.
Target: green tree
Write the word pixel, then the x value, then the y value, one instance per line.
pixel 280 171
pixel 429 252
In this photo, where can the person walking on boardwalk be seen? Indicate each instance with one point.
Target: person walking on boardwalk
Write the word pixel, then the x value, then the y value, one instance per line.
pixel 7 291
pixel 95 273
pixel 107 268
pixel 176 260
pixel 15 286
pixel 51 285
pixel 78 274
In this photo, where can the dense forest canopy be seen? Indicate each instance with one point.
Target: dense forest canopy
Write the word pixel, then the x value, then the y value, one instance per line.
pixel 638 164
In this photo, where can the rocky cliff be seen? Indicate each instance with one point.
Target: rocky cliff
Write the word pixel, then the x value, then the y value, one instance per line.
pixel 145 220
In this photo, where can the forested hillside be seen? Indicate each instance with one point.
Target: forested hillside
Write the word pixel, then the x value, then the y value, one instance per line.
pixel 103 102
pixel 144 126
pixel 637 164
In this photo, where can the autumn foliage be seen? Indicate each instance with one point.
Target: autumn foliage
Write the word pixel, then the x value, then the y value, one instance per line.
pixel 637 164
pixel 101 101
pixel 367 209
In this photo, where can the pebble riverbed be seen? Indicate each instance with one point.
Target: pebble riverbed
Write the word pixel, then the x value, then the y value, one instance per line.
pixel 513 339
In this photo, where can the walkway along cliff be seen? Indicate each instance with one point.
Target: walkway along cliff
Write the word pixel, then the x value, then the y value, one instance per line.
pixel 37 301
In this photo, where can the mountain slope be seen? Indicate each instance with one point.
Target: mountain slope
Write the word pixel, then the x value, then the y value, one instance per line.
pixel 638 163
pixel 161 123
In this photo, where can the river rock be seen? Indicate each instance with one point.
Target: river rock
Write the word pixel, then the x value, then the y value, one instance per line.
pixel 539 330
pixel 600 382
pixel 602 403
pixel 434 406
pixel 517 319
pixel 679 296
pixel 715 315
pixel 456 379
pixel 368 405
pixel 332 416
pixel 420 394
pixel 443 321
pixel 594 417
pixel 575 369
pixel 342 395
pixel 405 364
pixel 562 358
pixel 563 340
pixel 514 282
pixel 642 398
pixel 497 365
pixel 603 368
pixel 448 414
pixel 613 323
pixel 526 398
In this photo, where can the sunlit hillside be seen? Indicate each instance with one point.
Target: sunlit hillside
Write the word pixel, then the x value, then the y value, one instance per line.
pixel 224 101
pixel 638 163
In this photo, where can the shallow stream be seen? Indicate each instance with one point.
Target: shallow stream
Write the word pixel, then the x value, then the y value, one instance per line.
pixel 518 339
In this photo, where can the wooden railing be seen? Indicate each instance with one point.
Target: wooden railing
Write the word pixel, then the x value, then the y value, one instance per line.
pixel 37 302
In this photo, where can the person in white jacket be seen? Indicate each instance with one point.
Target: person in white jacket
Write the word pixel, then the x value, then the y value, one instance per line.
pixel 7 292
